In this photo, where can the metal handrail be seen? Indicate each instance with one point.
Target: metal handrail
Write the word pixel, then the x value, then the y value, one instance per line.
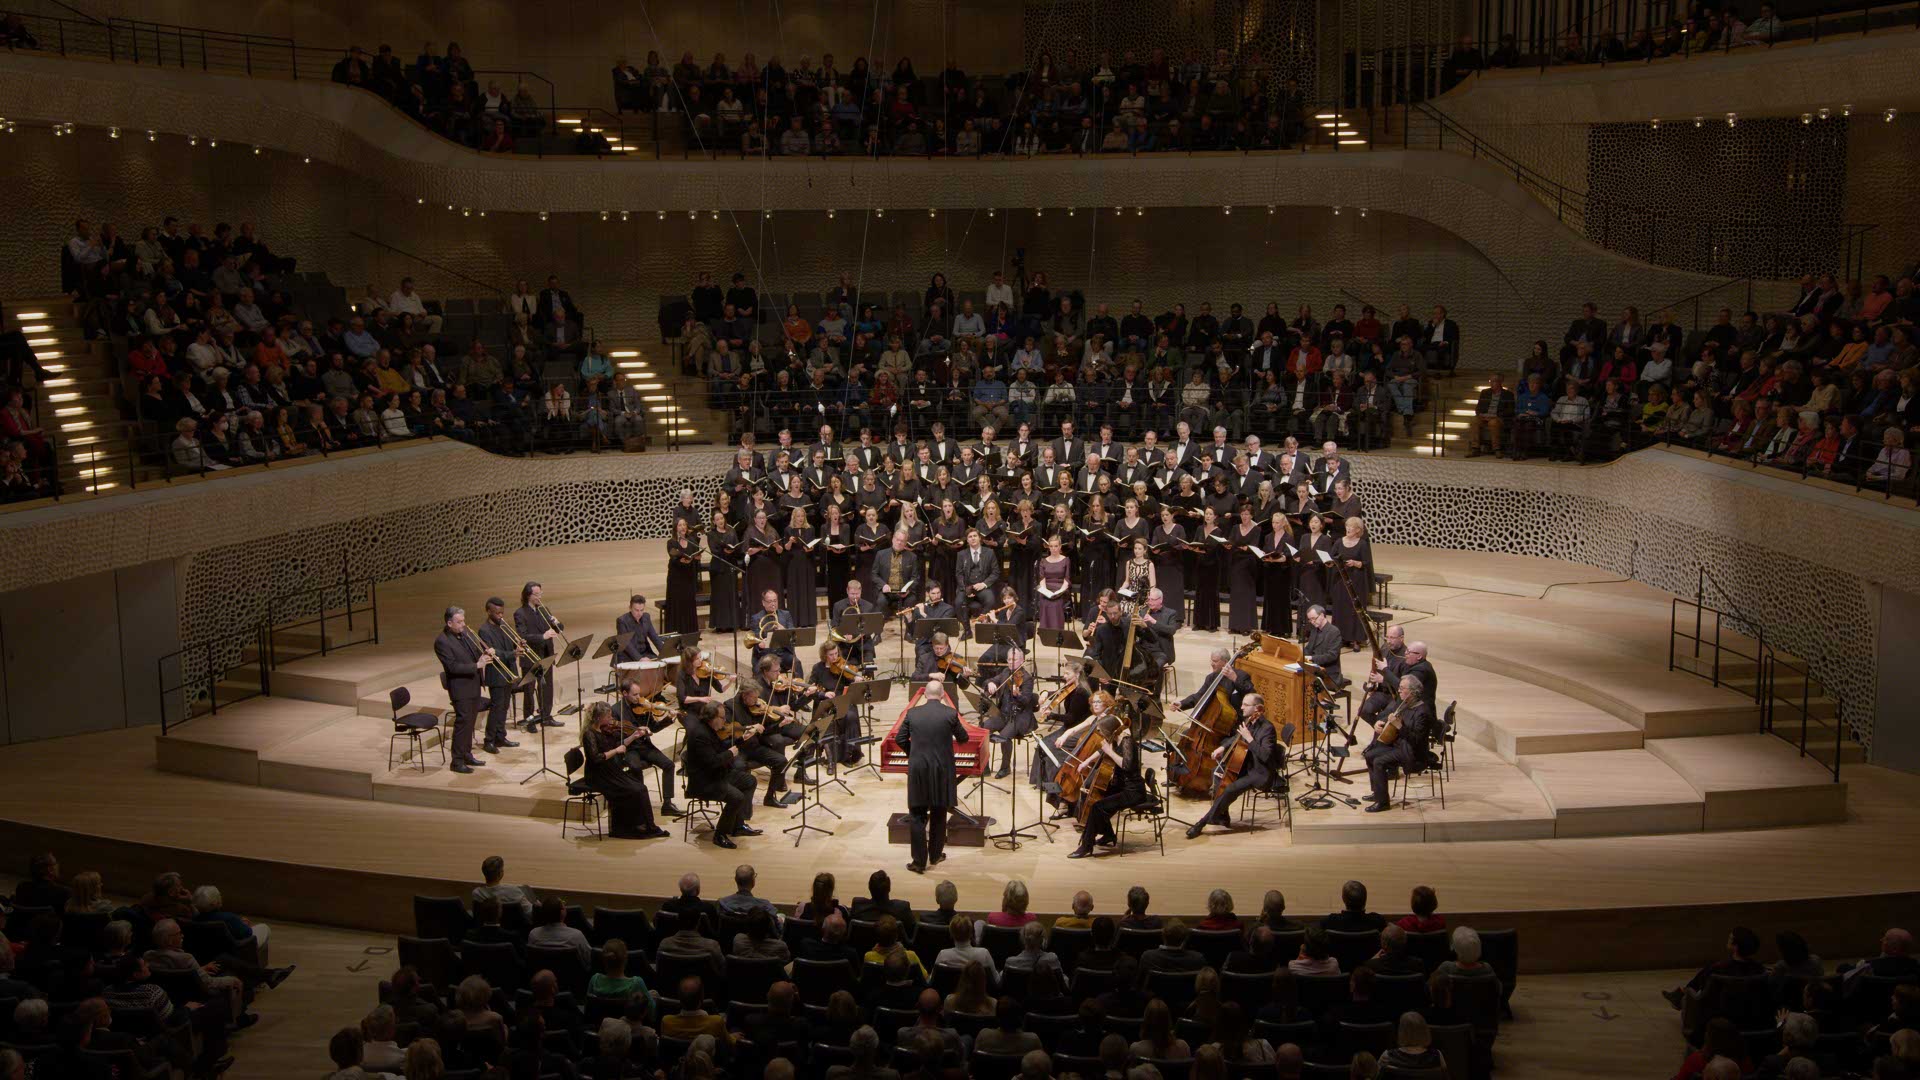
pixel 219 657
pixel 347 584
pixel 423 260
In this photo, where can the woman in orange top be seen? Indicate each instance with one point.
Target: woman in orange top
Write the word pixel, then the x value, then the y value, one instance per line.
pixel 798 330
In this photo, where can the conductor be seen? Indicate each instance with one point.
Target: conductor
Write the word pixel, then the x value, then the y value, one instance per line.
pixel 928 733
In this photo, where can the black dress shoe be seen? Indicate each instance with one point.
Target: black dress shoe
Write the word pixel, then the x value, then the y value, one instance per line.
pixel 491 748
pixel 476 762
pixel 653 833
pixel 746 830
pixel 508 743
pixel 548 721
pixel 460 767
pixel 1080 853
pixel 279 975
pixel 916 868
pixel 1194 832
pixel 668 808
pixel 724 842
pixel 1003 773
pixel 1378 808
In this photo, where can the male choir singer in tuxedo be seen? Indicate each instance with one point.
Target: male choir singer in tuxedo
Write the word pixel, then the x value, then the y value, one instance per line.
pixel 896 573
pixel 928 733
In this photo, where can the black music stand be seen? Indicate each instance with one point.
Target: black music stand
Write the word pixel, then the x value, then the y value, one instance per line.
pixel 985 710
pixel 1320 795
pixel 788 639
pixel 540 669
pixel 810 742
pixel 611 646
pixel 1059 641
pixel 1167 784
pixel 575 651
pixel 672 644
pixel 863 696
pixel 855 626
pixel 987 635
pixel 902 604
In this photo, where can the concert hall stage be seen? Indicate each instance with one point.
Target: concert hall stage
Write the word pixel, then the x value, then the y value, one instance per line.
pixel 1593 786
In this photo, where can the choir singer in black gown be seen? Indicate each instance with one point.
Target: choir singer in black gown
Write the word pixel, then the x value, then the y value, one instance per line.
pixel 683 579
pixel 723 580
pixel 928 733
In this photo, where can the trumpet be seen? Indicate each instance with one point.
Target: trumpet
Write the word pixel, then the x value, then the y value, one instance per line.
pixel 497 663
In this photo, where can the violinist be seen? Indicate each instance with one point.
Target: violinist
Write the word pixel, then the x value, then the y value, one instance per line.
pixel 643 715
pixel 860 649
pixel 1013 693
pixel 1265 759
pixel 757 725
pixel 831 676
pixel 716 771
pixel 698 682
pixel 607 772
pixel 940 657
pixel 934 607
pixel 1127 790
pixel 1067 743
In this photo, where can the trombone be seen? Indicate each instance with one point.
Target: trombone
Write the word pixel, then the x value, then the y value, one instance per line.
pixel 498 664
pixel 552 623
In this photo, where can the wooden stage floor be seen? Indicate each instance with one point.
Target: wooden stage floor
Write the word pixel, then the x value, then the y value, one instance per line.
pixel 1595 790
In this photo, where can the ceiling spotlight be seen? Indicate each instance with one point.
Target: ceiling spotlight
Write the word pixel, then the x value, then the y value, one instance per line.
pixel 829 213
pixel 1036 211
pixel 543 215
pixel 1731 117
pixel 1824 113
pixel 483 213
pixel 193 140
pixel 989 211
pixel 213 144
pixel 1890 113
pixel 1228 210
pixel 660 215
pixel 1656 123
pixel 604 215
pixel 419 200
pixel 716 215
pixel 306 161
pixel 1118 210
pixel 466 211
pixel 1139 211
pixel 1363 211
pixel 1806 118
pixel 1269 210
pixel 113 133
pixel 256 151
pixel 152 136
pixel 623 215
pixel 879 212
pixel 1846 110
pixel 693 215
pixel 1336 211
pixel 1698 120
pixel 930 212
pixel 766 215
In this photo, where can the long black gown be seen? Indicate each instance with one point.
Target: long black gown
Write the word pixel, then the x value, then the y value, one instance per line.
pixel 1170 568
pixel 683 583
pixel 1276 586
pixel 1023 553
pixel 1094 571
pixel 1311 576
pixel 1243 581
pixel 941 556
pixel 802 578
pixel 1209 565
pixel 765 569
pixel 873 537
pixel 837 566
pixel 1351 620
pixel 723 581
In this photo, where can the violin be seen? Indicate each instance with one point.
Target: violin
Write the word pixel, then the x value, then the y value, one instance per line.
pixel 703 670
pixel 951 665
pixel 844 668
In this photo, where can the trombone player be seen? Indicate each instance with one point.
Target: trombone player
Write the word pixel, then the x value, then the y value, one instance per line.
pixel 498 636
pixel 463 661
pixel 533 622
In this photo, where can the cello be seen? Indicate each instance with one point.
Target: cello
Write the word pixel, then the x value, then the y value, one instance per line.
pixel 1211 724
pixel 1085 775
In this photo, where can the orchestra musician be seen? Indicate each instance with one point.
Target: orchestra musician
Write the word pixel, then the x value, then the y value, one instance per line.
pixel 1383 682
pixel 494 635
pixel 718 771
pixel 1008 613
pixel 608 773
pixel 940 658
pixel 645 644
pixel 542 633
pixel 1066 742
pixel 1238 684
pixel 769 618
pixel 1013 692
pixel 928 732
pixel 859 649
pixel 634 711
pixel 896 572
pixel 934 607
pixel 763 749
pixel 1159 622
pixel 1128 789
pixel 1266 759
pixel 831 675
pixel 462 660
pixel 1324 644
pixel 696 688
pixel 1415 719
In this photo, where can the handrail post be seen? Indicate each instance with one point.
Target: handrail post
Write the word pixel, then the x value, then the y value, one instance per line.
pixel 1716 649
pixel 213 695
pixel 1699 599
pixel 323 622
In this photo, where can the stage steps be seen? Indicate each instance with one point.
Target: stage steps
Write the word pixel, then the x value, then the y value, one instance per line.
pixel 1754 781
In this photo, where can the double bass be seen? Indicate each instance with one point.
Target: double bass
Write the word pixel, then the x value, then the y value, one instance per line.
pixel 1212 723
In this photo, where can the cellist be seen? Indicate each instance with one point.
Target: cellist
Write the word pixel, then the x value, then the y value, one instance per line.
pixel 1070 745
pixel 1223 677
pixel 1126 790
pixel 1265 758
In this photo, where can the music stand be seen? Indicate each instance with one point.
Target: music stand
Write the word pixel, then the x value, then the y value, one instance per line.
pixel 671 644
pixel 788 639
pixel 1167 783
pixel 1320 795
pixel 611 646
pixel 863 696
pixel 1058 641
pixel 987 635
pixel 572 654
pixel 902 604
pixel 986 710
pixel 809 740
pixel 540 669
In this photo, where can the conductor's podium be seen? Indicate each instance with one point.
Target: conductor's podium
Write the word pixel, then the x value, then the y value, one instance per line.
pixel 1287 693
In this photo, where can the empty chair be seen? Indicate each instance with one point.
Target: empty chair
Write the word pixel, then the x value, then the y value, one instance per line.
pixel 496 961
pixel 1351 1038
pixel 794 931
pixel 1135 940
pixel 1001 942
pixel 565 964
pixel 1501 950
pixel 1398 994
pixel 818 979
pixel 630 925
pixel 1174 987
pixel 1251 989
pixel 1352 947
pixel 1455 1043
pixel 1430 947
pixel 1215 945
pixel 440 916
pixel 434 958
pixel 1067 942
pixel 748 979
pixel 1316 993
